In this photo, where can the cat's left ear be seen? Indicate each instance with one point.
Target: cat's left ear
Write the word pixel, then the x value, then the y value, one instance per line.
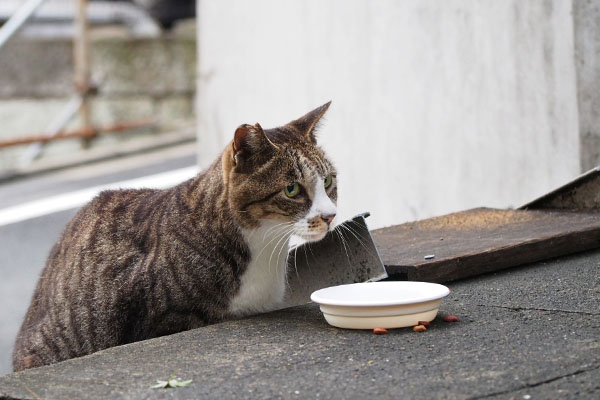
pixel 249 142
pixel 307 125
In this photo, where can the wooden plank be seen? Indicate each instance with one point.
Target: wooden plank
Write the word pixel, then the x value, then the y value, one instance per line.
pixel 483 240
pixel 581 194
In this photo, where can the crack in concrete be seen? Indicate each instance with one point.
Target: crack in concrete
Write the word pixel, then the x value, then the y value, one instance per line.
pixel 539 309
pixel 532 385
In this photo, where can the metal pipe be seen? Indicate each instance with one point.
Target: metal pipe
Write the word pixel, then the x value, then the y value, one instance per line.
pixel 85 132
pixel 18 19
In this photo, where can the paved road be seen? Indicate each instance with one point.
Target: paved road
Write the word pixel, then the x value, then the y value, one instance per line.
pixel 24 245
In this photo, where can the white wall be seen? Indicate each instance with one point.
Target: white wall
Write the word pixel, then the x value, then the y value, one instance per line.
pixel 438 106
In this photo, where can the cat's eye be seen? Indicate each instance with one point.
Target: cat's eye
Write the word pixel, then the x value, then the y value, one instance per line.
pixel 292 190
pixel 328 181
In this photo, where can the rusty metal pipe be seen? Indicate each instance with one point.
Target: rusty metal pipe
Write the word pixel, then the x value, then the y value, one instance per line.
pixel 85 132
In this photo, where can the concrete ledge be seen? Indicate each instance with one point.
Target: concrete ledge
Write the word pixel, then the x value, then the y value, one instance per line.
pixel 530 330
pixel 138 145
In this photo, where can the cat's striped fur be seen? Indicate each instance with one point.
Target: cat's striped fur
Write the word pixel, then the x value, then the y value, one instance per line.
pixel 137 264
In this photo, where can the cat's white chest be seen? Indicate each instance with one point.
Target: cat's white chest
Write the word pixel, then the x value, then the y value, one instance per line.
pixel 262 286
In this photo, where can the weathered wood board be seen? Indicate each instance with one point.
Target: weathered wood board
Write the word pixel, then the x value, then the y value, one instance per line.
pixel 482 240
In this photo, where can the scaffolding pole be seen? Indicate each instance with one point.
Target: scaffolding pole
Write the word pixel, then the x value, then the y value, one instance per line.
pixel 18 19
pixel 82 64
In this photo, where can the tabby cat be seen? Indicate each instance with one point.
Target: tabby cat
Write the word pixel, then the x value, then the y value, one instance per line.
pixel 137 264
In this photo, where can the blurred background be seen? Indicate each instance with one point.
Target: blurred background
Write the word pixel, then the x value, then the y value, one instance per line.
pixel 436 106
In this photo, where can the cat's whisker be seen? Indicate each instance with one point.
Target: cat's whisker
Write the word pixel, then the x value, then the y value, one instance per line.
pixel 341 236
pixel 280 230
pixel 360 241
pixel 305 253
pixel 276 236
pixel 309 249
pixel 295 251
pixel 276 230
pixel 296 262
pixel 352 222
pixel 356 235
pixel 285 263
pixel 284 266
pixel 282 240
pixel 285 244
pixel 272 229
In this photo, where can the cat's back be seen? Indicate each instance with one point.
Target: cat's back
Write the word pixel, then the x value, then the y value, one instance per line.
pixel 109 227
pixel 94 252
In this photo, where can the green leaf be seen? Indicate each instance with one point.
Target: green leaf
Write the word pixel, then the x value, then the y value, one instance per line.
pixel 172 382
pixel 160 385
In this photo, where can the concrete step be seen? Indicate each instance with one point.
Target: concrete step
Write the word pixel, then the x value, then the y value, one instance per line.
pixel 530 331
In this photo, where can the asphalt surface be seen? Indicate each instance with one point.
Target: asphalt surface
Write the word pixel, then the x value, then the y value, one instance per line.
pixel 25 245
pixel 525 333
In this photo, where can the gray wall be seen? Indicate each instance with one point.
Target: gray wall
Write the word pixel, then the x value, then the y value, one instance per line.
pixel 586 17
pixel 437 106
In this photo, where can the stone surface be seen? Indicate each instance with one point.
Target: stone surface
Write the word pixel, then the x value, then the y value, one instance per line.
pixel 569 284
pixel 150 66
pixel 155 67
pixel 174 111
pixel 36 68
pixel 522 331
pixel 25 116
pixel 578 385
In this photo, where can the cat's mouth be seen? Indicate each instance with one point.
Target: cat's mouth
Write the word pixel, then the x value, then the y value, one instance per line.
pixel 315 228
pixel 314 235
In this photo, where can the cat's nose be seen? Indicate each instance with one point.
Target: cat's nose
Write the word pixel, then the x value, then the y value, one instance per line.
pixel 328 218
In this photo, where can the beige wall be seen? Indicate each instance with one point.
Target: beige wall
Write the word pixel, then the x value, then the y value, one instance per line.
pixel 437 106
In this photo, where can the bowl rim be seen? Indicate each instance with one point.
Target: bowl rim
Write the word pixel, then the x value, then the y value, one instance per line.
pixel 320 296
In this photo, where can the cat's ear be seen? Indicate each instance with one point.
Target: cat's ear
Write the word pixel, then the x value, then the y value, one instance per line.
pixel 248 141
pixel 307 125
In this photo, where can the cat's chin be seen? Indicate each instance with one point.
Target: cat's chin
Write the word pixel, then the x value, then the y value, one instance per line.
pixel 313 237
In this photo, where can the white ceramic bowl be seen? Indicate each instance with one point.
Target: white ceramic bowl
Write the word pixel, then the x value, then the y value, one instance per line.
pixel 380 304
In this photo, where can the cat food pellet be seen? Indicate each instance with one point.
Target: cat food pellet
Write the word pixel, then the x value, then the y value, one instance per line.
pixel 451 318
pixel 419 328
pixel 429 257
pixel 380 331
pixel 424 323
